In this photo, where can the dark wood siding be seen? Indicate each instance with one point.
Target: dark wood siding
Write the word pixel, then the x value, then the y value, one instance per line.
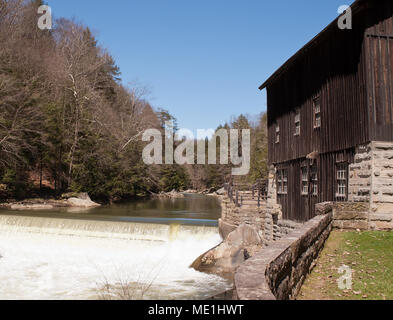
pixel 299 207
pixel 379 44
pixel 334 70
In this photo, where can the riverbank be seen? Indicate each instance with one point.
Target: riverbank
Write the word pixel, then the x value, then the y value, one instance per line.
pixel 81 200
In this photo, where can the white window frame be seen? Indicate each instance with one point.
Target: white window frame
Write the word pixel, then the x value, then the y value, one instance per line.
pixel 317 117
pixel 279 182
pixel 282 181
pixel 297 123
pixel 314 180
pixel 277 138
pixel 341 180
pixel 304 180
pixel 285 181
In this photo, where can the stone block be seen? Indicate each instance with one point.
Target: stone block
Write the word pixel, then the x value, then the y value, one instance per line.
pixel 381 145
pixel 351 224
pixel 351 206
pixel 350 215
pixel 383 199
pixel 381 225
pixel 382 208
pixel 386 217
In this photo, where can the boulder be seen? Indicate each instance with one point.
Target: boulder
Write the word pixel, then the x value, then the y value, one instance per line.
pixel 244 236
pixel 240 245
pixel 221 192
pixel 83 201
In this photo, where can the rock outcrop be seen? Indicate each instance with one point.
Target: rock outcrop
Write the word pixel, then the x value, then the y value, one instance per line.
pixel 239 245
pixel 82 201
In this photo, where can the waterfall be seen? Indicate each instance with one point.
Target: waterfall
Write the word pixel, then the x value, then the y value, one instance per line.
pixel 104 229
pixel 56 258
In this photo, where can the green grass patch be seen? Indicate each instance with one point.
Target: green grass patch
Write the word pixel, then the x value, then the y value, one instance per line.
pixel 370 257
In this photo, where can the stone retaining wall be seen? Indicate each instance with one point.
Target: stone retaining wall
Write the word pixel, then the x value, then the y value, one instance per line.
pixel 278 271
pixel 355 216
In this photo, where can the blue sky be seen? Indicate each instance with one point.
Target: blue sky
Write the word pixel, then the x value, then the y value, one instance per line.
pixel 202 60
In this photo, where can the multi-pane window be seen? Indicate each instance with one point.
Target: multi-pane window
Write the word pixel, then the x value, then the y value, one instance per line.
pixel 282 181
pixel 285 181
pixel 279 181
pixel 317 112
pixel 314 180
pixel 342 170
pixel 305 181
pixel 297 123
pixel 277 133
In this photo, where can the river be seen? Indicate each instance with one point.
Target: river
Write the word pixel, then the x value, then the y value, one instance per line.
pixel 138 250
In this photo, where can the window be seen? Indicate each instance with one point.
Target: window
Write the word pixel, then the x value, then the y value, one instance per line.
pixel 297 123
pixel 304 181
pixel 279 181
pixel 282 181
pixel 277 133
pixel 317 113
pixel 342 172
pixel 285 182
pixel 314 180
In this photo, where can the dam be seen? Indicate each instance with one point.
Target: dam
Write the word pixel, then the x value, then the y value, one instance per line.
pixel 64 255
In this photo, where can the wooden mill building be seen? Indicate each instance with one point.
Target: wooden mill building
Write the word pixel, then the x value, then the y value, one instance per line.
pixel 330 116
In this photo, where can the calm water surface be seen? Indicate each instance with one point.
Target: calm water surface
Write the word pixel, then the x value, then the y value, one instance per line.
pixel 194 209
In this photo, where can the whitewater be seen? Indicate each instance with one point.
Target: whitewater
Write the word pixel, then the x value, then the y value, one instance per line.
pixel 57 259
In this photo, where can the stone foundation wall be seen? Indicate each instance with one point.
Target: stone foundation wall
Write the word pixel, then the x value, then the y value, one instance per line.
pixel 278 271
pixel 371 181
pixel 381 206
pixel 346 215
pixel 273 214
pixel 360 173
pixel 355 216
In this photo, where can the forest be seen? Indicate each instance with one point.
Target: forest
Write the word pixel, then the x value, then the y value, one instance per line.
pixel 69 124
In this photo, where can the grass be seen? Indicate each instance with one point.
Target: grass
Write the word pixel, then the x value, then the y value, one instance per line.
pixel 368 254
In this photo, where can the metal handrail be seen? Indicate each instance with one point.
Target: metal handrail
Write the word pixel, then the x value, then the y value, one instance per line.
pixel 233 192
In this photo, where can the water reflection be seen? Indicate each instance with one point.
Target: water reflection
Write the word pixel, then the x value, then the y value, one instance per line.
pixel 193 209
